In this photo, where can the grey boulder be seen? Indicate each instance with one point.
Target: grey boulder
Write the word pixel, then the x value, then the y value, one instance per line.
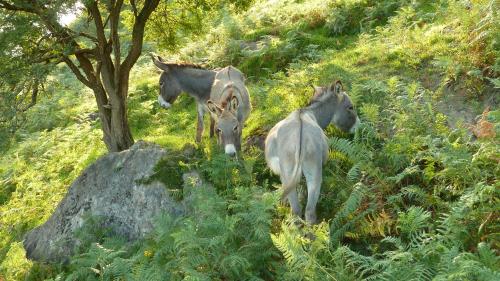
pixel 115 190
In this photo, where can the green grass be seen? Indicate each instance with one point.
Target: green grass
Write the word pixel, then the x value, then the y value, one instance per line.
pixel 412 182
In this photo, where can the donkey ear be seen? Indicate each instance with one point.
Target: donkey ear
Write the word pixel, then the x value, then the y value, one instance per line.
pixel 317 90
pixel 158 61
pixel 214 108
pixel 337 87
pixel 233 104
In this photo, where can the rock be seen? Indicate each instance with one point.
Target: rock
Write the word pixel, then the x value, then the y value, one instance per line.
pixel 115 190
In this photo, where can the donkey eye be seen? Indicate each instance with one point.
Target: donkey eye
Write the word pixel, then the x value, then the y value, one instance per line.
pixel 350 107
pixel 161 83
pixel 219 130
pixel 235 128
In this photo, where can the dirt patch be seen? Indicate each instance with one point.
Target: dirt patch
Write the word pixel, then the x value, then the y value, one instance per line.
pixel 460 108
pixel 457 104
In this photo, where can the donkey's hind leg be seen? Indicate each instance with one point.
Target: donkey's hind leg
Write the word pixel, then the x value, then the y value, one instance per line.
pixel 313 175
pixel 200 128
pixel 290 181
pixel 293 198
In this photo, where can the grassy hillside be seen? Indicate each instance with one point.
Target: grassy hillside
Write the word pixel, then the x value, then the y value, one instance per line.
pixel 413 195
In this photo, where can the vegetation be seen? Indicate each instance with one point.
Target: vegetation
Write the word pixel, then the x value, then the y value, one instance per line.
pixel 92 52
pixel 412 195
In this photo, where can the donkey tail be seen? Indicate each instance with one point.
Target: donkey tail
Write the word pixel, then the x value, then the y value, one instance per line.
pixel 294 180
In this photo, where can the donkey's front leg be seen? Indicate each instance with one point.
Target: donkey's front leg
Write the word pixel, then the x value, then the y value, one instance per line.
pixel 200 128
pixel 212 126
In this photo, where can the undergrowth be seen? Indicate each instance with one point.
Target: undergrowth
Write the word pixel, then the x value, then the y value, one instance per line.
pixel 412 195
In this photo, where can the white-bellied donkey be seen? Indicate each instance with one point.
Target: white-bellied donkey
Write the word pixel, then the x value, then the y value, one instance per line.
pixel 230 107
pixel 297 144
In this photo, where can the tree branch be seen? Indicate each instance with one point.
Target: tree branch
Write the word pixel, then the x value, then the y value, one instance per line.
pixel 8 6
pixel 107 68
pixel 39 41
pixel 106 21
pixel 138 36
pixel 114 14
pixel 48 58
pixel 96 15
pixel 77 72
pixel 83 34
pixel 34 96
pixel 134 8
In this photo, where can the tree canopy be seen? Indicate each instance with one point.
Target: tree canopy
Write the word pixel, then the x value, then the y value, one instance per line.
pixel 100 49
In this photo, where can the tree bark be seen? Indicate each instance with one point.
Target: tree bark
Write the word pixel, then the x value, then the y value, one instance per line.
pixel 114 122
pixel 118 122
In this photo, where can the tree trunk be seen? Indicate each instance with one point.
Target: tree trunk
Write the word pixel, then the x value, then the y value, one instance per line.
pixel 113 115
pixel 120 130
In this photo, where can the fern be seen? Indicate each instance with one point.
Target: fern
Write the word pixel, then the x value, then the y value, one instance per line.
pixel 306 258
pixel 340 223
pixel 291 248
pixel 354 172
pixel 412 221
pixel 354 151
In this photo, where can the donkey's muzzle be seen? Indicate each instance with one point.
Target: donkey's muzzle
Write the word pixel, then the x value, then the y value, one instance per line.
pixel 230 150
pixel 163 103
pixel 355 126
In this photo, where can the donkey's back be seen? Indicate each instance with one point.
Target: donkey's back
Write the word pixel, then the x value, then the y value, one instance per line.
pixel 295 146
pixel 230 73
pixel 230 81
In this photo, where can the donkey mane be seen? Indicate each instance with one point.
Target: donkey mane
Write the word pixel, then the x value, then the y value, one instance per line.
pixel 184 64
pixel 323 95
pixel 319 98
pixel 224 103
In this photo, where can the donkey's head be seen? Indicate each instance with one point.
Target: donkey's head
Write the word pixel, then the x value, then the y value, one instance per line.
pixel 344 115
pixel 227 125
pixel 169 86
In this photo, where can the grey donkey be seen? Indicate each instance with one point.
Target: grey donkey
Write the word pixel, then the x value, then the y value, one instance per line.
pixel 297 144
pixel 192 79
pixel 230 107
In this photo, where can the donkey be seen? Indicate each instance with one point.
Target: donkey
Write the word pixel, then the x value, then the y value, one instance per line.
pixel 192 79
pixel 297 144
pixel 230 107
